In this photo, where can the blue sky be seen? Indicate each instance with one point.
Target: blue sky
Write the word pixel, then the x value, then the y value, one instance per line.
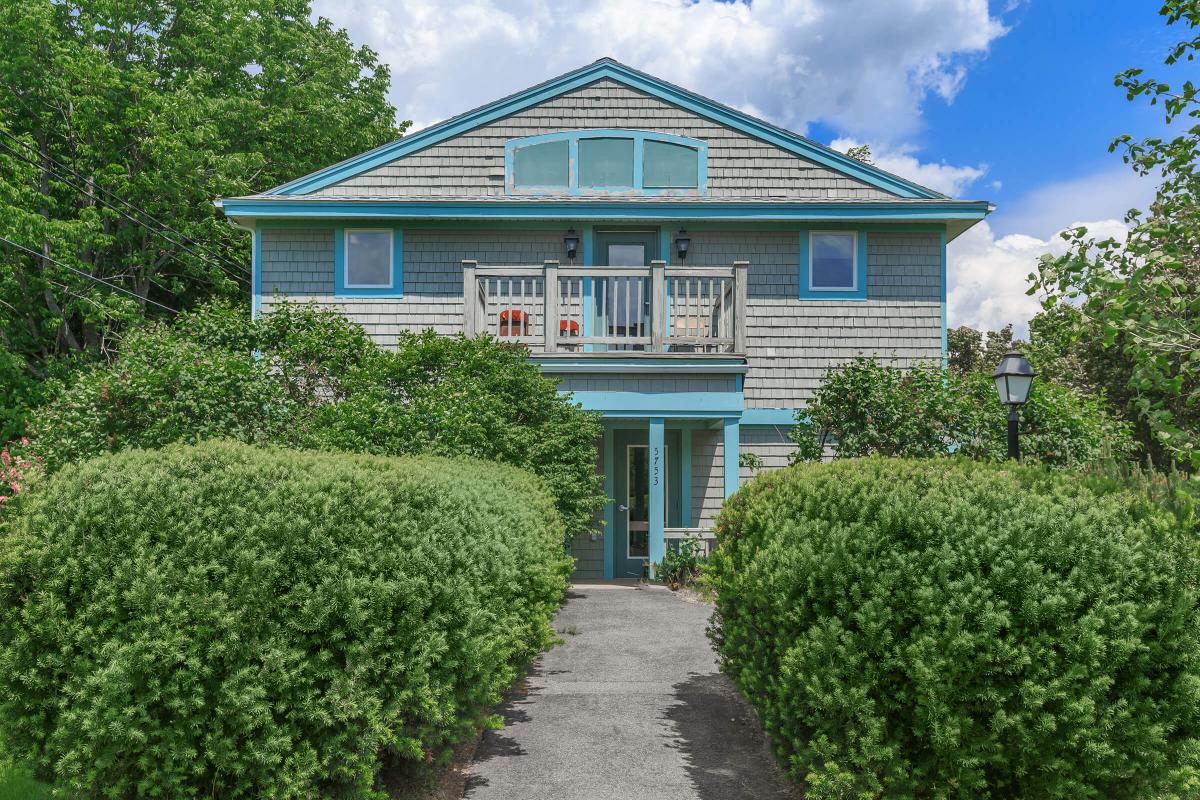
pixel 1008 100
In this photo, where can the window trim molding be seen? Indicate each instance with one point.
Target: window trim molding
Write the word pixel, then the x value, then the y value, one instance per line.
pixel 859 254
pixel 573 189
pixel 343 288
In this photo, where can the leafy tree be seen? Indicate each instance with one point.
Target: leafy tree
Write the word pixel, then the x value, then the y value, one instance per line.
pixel 1141 298
pixel 871 409
pixel 165 107
pixel 309 378
pixel 861 153
pixel 970 350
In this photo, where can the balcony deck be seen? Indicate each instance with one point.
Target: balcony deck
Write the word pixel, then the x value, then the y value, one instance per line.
pixel 654 310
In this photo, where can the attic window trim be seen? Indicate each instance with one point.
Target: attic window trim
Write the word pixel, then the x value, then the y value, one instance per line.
pixel 639 138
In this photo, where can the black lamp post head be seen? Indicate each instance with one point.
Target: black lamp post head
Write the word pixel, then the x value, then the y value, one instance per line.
pixel 682 243
pixel 571 242
pixel 1014 376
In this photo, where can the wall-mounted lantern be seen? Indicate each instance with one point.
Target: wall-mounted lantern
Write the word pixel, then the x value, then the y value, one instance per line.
pixel 682 243
pixel 571 242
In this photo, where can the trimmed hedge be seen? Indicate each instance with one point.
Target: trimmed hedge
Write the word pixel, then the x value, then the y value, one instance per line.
pixel 225 621
pixel 950 629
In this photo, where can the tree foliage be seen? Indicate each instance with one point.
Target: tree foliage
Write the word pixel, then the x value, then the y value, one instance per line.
pixel 969 350
pixel 309 378
pixel 164 107
pixel 1141 297
pixel 866 408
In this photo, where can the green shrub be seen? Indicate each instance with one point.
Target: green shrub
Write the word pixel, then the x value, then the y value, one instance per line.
pixel 224 621
pixel 952 629
pixel 306 377
pixel 871 409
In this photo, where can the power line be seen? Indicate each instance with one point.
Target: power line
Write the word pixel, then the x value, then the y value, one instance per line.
pixel 84 191
pixel 123 201
pixel 120 289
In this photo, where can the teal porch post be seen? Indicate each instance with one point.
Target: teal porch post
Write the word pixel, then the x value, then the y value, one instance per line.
pixel 658 500
pixel 610 533
pixel 732 453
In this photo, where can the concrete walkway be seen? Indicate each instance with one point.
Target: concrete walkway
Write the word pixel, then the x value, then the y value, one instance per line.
pixel 631 706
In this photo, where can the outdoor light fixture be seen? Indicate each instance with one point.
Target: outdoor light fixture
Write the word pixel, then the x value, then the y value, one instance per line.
pixel 1013 378
pixel 682 243
pixel 571 241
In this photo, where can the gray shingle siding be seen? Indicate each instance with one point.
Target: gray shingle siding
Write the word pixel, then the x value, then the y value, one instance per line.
pixel 472 164
pixel 708 476
pixel 792 342
pixel 771 445
pixel 298 264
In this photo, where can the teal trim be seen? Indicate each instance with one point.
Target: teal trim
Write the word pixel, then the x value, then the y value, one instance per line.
pixel 859 292
pixel 610 537
pixel 685 476
pixel 608 68
pixel 340 289
pixel 592 210
pixel 731 455
pixel 769 416
pixel 588 243
pixel 644 364
pixel 945 318
pixel 658 474
pixel 256 273
pixel 665 404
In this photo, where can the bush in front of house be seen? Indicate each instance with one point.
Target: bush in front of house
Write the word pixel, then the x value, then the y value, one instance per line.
pixel 867 408
pixel 947 628
pixel 224 621
pixel 307 377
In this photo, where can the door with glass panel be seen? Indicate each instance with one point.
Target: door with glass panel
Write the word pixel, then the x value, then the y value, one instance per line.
pixel 622 303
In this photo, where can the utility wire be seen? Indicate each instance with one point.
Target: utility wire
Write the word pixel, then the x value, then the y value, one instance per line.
pixel 120 289
pixel 123 201
pixel 160 233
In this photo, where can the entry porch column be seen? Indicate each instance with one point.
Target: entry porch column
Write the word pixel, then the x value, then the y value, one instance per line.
pixel 732 454
pixel 658 482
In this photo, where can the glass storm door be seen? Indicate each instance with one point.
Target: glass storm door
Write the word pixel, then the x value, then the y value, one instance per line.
pixel 634 551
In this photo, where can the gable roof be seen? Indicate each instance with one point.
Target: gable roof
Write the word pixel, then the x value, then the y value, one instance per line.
pixel 609 68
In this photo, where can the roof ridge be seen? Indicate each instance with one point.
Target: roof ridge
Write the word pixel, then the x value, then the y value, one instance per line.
pixel 802 145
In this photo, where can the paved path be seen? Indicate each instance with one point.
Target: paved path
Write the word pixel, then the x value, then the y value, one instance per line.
pixel 630 707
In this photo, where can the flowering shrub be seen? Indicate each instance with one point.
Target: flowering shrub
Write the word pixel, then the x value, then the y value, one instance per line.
pixel 18 463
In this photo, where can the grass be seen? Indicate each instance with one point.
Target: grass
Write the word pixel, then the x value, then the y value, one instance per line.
pixel 17 784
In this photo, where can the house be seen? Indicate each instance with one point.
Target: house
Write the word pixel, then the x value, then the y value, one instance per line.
pixel 685 268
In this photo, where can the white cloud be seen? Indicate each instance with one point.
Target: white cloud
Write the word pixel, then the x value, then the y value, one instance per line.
pixel 941 177
pixel 988 274
pixel 862 66
pixel 1106 195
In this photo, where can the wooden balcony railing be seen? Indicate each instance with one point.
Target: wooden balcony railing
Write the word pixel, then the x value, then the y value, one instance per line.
pixel 654 309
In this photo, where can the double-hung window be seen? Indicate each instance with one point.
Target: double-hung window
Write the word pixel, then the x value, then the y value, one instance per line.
pixel 368 261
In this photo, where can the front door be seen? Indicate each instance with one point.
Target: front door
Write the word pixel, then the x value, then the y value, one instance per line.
pixel 623 303
pixel 631 540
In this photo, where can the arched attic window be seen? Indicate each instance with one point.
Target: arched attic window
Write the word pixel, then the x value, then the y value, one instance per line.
pixel 606 162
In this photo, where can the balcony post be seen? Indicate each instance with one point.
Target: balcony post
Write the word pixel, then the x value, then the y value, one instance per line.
pixel 470 299
pixel 550 311
pixel 740 271
pixel 658 306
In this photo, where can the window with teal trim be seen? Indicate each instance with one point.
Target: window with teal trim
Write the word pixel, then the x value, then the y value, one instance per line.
pixel 596 162
pixel 833 264
pixel 368 262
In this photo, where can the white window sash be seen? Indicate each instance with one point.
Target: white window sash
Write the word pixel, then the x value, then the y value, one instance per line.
pixel 853 287
pixel 391 251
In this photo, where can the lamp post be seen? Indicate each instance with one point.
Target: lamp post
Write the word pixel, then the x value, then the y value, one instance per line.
pixel 1013 378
